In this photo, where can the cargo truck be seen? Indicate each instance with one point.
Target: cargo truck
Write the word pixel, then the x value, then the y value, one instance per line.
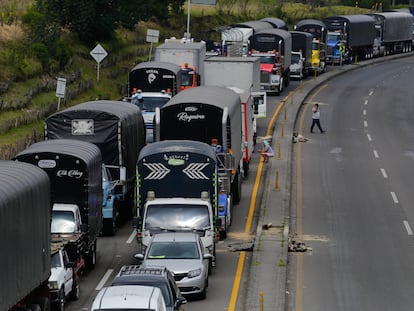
pixel 394 30
pixel 301 62
pixel 179 182
pixel 220 71
pixel 118 129
pixel 274 47
pixel 319 32
pixel 350 38
pixel 235 38
pixel 25 208
pixel 189 55
pixel 151 85
pixel 75 171
pixel 207 114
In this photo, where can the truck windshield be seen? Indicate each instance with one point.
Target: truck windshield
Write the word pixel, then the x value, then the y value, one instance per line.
pixel 295 58
pixel 187 77
pixel 55 261
pixel 267 59
pixel 63 222
pixel 177 216
pixel 150 103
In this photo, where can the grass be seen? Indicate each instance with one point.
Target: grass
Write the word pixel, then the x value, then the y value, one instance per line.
pixel 123 53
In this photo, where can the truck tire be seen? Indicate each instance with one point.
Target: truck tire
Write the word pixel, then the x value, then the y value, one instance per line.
pixel 42 302
pixel 34 307
pixel 60 304
pixel 236 188
pixel 91 258
pixel 74 294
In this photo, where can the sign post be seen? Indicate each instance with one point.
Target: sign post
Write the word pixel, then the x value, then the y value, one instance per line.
pixel 153 37
pixel 98 53
pixel 60 90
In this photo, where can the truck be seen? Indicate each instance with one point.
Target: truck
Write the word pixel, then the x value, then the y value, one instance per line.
pixel 394 31
pixel 319 32
pixel 25 208
pixel 75 174
pixel 350 38
pixel 274 47
pixel 220 71
pixel 235 37
pixel 155 82
pixel 178 188
pixel 189 55
pixel 64 277
pixel 301 62
pixel 117 129
pixel 207 114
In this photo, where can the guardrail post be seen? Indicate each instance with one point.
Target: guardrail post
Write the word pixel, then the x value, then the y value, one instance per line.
pixel 261 301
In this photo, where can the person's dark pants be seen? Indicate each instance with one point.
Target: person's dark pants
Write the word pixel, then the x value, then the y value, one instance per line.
pixel 316 121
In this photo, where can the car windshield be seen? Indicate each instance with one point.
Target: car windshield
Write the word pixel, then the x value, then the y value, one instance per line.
pixel 173 250
pixel 176 216
pixel 150 103
pixel 63 222
pixel 135 281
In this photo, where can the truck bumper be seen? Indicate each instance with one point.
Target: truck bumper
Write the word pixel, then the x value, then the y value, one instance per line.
pixel 269 87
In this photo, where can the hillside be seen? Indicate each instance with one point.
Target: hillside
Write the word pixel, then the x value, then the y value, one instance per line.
pixel 27 98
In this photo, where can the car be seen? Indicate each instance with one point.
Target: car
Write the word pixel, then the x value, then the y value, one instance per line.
pixel 129 297
pixel 156 276
pixel 184 254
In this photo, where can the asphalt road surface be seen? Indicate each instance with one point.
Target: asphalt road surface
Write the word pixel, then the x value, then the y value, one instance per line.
pixel 354 195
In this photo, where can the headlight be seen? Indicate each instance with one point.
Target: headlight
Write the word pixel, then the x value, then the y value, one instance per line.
pixel 194 273
pixel 53 285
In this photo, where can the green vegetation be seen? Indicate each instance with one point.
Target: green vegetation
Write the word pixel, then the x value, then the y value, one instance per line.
pixel 42 40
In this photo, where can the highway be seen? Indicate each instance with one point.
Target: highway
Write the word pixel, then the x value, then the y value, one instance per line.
pixel 353 195
pixel 227 284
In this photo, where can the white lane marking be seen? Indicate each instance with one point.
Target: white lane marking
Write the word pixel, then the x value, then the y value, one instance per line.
pixel 366 102
pixel 408 227
pixel 371 92
pixel 376 154
pixel 394 197
pixel 365 123
pixel 369 137
pixel 132 236
pixel 104 279
pixel 364 112
pixel 384 173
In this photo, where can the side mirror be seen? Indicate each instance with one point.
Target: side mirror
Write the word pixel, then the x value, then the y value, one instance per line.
pixel 84 227
pixel 70 264
pixel 135 221
pixel 139 256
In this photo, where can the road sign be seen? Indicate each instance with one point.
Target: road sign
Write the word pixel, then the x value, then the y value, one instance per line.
pixel 98 53
pixel 61 87
pixel 153 35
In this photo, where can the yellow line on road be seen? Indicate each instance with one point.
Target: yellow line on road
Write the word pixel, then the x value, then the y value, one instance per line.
pixel 239 272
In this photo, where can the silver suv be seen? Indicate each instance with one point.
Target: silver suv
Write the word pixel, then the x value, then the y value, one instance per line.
pixel 156 276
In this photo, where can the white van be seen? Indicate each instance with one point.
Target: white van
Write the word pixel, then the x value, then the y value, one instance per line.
pixel 129 297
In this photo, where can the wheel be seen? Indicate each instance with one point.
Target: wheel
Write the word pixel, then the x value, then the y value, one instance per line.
pixel 91 258
pixel 236 188
pixel 34 307
pixel 74 294
pixel 42 302
pixel 60 304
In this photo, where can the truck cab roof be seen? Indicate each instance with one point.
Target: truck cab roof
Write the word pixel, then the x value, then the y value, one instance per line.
pixel 65 207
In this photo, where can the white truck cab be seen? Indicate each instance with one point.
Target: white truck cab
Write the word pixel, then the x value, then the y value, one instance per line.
pixel 178 214
pixel 297 65
pixel 66 218
pixel 63 282
pixel 129 297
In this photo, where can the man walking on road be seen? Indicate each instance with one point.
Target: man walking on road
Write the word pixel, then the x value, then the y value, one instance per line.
pixel 315 118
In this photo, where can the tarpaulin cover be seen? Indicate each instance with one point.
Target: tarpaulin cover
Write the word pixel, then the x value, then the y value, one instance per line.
pixel 25 230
